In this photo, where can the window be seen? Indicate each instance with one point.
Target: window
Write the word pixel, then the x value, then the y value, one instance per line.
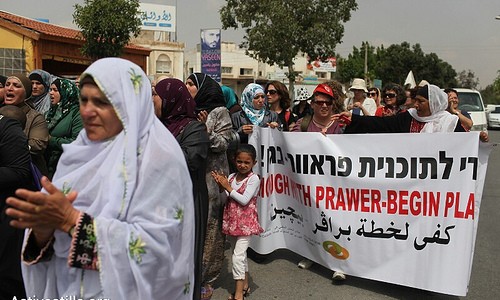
pixel 163 64
pixel 226 70
pixel 321 74
pixel 12 61
pixel 246 71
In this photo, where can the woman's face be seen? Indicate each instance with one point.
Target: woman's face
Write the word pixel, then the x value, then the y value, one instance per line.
pixel 272 94
pixel 258 101
pixel 244 162
pixel 14 92
pixel 322 105
pixel 2 92
pixel 98 115
pixel 372 94
pixel 157 103
pixel 37 88
pixel 422 106
pixel 390 97
pixel 193 90
pixel 55 96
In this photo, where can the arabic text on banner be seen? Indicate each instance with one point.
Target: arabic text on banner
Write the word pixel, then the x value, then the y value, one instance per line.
pixel 387 207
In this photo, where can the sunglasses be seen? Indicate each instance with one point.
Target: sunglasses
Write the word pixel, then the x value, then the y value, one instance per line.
pixel 389 95
pixel 271 92
pixel 320 103
pixel 372 93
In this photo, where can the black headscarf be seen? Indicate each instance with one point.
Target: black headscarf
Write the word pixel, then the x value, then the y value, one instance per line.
pixel 209 94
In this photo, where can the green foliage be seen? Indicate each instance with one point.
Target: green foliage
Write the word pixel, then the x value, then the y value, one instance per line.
pixel 107 25
pixel 491 94
pixel 392 64
pixel 277 31
pixel 467 79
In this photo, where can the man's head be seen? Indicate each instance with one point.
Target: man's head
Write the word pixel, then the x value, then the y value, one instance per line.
pixel 323 98
pixel 210 38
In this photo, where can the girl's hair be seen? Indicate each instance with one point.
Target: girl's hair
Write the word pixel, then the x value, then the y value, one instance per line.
pixel 246 148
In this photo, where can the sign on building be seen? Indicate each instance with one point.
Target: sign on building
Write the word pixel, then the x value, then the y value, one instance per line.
pixel 157 17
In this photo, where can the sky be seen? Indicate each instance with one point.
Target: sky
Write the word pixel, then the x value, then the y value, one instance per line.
pixel 463 33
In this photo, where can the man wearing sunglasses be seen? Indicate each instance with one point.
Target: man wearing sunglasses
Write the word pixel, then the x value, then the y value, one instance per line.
pixel 321 121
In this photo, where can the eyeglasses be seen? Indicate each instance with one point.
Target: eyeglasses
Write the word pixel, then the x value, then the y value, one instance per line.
pixel 259 96
pixel 389 95
pixel 271 92
pixel 320 103
pixel 372 93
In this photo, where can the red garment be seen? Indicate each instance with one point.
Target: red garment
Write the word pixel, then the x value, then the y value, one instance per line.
pixel 416 126
pixel 239 220
pixel 385 111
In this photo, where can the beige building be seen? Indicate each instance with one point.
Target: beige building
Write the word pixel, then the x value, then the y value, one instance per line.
pixel 239 69
pixel 166 57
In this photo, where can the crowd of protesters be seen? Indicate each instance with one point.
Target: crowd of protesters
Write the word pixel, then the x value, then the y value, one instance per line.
pixel 135 176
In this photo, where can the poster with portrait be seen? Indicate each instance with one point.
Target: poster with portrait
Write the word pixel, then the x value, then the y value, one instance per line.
pixel 210 53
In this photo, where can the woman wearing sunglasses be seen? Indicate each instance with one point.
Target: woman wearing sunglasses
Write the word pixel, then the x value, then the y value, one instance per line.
pixel 279 101
pixel 374 93
pixel 393 99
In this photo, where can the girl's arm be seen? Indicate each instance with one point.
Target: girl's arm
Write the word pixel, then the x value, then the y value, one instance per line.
pixel 252 189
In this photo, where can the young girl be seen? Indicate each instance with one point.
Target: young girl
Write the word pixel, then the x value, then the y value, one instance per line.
pixel 240 218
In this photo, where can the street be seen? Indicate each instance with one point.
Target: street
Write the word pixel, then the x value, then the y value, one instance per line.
pixel 280 278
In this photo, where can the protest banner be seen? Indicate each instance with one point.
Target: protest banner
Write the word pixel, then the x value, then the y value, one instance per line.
pixel 398 208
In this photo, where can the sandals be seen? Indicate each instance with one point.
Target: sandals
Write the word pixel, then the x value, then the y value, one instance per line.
pixel 231 297
pixel 206 292
pixel 246 292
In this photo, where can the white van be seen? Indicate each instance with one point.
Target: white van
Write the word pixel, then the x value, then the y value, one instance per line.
pixel 472 102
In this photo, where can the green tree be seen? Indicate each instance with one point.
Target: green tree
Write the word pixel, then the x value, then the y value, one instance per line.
pixel 277 31
pixel 354 65
pixel 107 25
pixel 467 79
pixel 491 94
pixel 393 63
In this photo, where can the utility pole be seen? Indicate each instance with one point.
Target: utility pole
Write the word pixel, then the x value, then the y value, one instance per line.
pixel 366 62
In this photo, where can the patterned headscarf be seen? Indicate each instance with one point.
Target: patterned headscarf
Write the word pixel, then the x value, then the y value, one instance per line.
pixel 209 95
pixel 440 120
pixel 69 100
pixel 177 106
pixel 42 102
pixel 255 116
pixel 137 188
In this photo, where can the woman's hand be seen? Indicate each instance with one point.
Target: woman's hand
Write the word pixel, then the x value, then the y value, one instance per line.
pixel 42 212
pixel 273 124
pixel 247 129
pixel 483 137
pixel 202 116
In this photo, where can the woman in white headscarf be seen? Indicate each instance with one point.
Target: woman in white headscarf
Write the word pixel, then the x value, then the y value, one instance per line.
pixel 428 115
pixel 117 222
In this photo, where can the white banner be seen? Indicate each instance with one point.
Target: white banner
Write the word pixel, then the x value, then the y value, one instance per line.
pixel 398 208
pixel 157 17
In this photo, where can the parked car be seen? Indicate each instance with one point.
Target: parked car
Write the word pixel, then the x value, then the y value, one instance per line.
pixel 472 102
pixel 494 118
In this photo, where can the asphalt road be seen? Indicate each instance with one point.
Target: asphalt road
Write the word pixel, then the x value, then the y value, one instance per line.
pixel 280 278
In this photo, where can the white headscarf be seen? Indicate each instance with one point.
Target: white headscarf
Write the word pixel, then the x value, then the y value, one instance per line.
pixel 440 120
pixel 137 188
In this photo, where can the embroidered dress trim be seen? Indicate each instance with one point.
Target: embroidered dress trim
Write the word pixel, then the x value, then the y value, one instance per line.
pixel 33 254
pixel 83 251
